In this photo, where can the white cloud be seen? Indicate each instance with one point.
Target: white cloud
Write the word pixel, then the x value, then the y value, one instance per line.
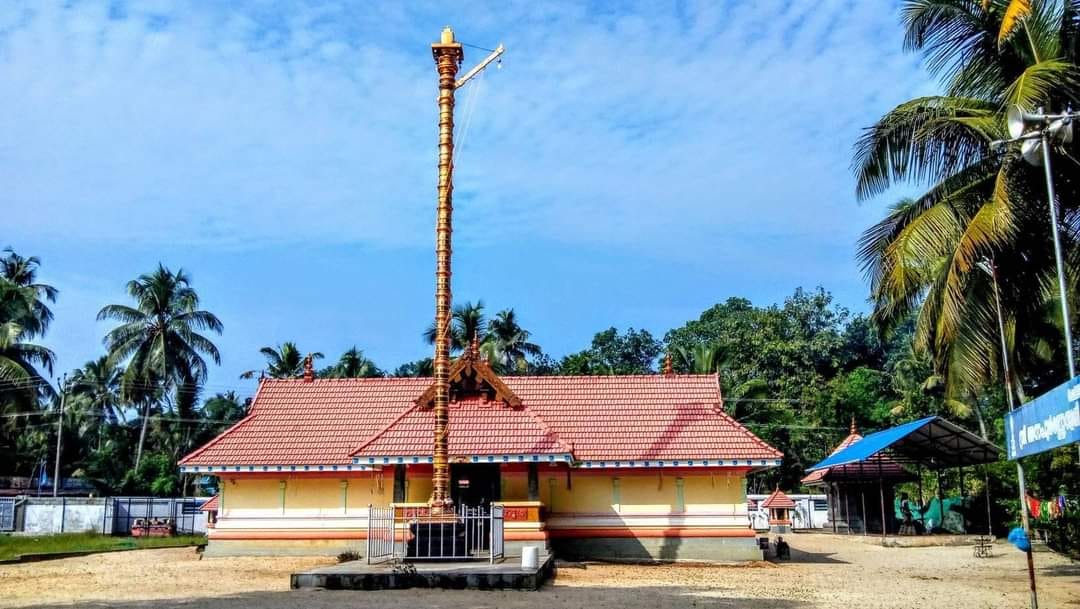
pixel 676 125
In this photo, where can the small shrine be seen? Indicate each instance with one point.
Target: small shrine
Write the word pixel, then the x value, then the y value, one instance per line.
pixel 779 506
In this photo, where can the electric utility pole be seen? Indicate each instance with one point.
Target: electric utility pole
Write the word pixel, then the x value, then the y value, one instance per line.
pixel 59 436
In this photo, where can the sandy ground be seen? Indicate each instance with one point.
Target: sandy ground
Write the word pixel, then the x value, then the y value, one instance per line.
pixel 824 572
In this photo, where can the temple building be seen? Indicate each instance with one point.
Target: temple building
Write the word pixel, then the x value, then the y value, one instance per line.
pixel 605 467
pixel 855 490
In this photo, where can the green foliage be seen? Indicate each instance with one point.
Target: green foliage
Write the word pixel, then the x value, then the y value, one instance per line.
pixel 632 352
pixel 983 210
pixel 285 361
pixel 351 365
pixel 795 374
pixel 507 344
pixel 1065 535
pixel 420 368
pixel 467 321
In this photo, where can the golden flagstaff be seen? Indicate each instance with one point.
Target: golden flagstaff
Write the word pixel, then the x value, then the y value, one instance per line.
pixel 448 56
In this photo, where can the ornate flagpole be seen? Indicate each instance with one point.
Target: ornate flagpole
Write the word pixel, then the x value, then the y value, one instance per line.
pixel 448 55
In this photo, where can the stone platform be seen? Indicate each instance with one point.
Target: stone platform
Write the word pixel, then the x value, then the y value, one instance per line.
pixel 475 575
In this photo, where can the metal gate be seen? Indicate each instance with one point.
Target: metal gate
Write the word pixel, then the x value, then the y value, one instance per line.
pixel 153 516
pixel 7 513
pixel 380 534
pixel 397 533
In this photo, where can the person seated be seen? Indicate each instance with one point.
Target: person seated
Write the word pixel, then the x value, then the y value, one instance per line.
pixel 783 550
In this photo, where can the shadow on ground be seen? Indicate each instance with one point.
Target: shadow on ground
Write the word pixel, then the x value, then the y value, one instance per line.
pixel 1070 570
pixel 600 597
pixel 820 558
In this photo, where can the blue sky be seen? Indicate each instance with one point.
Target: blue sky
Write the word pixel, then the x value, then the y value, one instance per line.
pixel 628 166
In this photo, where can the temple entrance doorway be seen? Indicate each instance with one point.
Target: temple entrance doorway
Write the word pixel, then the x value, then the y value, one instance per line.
pixel 475 485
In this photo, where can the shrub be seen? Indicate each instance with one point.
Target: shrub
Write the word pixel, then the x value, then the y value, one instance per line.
pixel 348 556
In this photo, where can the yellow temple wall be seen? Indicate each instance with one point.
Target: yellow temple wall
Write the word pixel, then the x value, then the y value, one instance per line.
pixel 298 506
pixel 310 511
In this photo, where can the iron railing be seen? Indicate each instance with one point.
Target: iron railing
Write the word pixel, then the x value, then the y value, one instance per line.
pixel 406 533
pixel 7 513
pixel 153 516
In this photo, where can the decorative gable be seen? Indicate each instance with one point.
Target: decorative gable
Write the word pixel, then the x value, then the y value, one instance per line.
pixel 471 375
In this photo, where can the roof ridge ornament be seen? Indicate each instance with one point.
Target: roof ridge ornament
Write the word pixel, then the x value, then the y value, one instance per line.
pixel 309 369
pixel 474 346
pixel 854 429
pixel 669 369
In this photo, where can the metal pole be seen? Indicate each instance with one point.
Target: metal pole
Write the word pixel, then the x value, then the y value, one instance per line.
pixel 862 494
pixel 847 515
pixel 1012 406
pixel 59 436
pixel 922 514
pixel 833 508
pixel 1052 199
pixel 881 493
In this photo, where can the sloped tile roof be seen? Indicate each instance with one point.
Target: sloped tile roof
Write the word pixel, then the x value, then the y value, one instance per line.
pixel 778 500
pixel 478 427
pixel 596 418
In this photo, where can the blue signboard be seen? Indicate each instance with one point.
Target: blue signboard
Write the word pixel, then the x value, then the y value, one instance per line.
pixel 1049 421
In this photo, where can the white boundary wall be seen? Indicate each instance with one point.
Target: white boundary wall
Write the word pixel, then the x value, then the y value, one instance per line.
pixel 107 515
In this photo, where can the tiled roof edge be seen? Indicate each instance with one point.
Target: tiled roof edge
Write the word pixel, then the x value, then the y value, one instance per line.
pixel 739 426
pixel 213 442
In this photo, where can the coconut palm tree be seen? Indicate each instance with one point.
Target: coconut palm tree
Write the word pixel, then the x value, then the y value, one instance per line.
pixel 21 362
pixel 159 338
pixel 980 201
pixel 97 384
pixel 284 361
pixel 22 272
pixel 352 364
pixel 508 343
pixel 468 322
pixel 701 359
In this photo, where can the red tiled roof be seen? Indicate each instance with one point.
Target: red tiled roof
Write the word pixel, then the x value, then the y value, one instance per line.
pixel 477 427
pixel 778 500
pixel 648 417
pixel 888 468
pixel 211 504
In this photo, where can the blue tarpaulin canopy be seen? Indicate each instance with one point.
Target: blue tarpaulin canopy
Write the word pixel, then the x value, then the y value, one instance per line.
pixel 932 442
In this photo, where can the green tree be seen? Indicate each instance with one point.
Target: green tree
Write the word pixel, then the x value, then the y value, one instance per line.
pixel 980 202
pixel 352 364
pixel 282 362
pixel 420 368
pixel 633 352
pixel 159 338
pixel 508 343
pixel 700 359
pixel 467 321
pixel 778 368
pixel 21 362
pixel 22 272
pixel 97 386
pixel 24 317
